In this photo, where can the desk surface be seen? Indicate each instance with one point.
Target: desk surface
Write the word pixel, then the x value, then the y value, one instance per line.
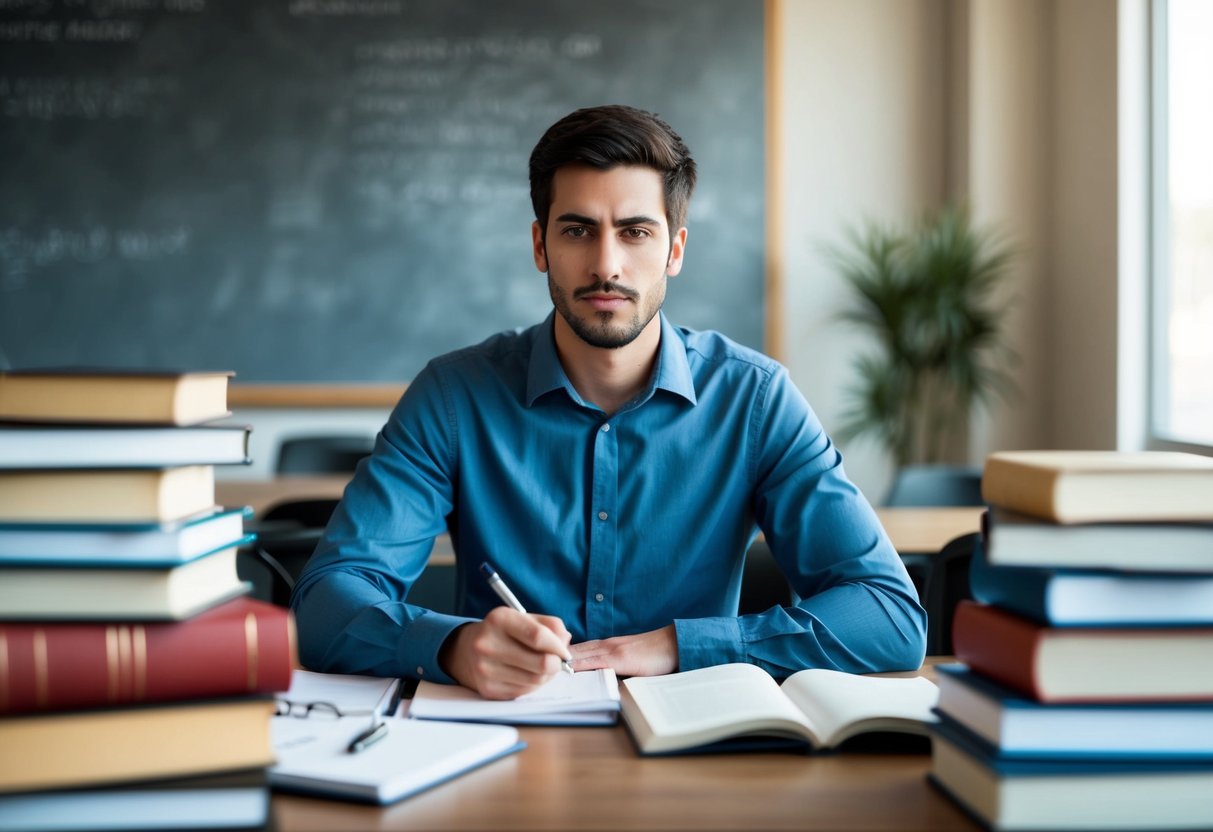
pixel 592 778
pixel 912 530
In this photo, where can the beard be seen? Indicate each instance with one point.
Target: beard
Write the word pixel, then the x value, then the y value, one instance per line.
pixel 608 330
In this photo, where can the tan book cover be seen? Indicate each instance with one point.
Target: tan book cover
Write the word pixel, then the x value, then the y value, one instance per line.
pixel 149 495
pixel 1101 486
pixel 113 396
pixel 78 748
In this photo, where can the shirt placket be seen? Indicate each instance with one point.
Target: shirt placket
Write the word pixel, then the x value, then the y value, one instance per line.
pixel 604 533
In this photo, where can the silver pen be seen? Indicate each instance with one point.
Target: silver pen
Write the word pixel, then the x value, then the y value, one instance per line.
pixel 511 601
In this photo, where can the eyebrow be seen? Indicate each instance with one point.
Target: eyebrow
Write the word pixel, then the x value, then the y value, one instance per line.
pixel 622 222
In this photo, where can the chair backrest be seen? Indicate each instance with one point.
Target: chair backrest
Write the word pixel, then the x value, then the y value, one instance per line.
pixel 322 454
pixel 763 584
pixel 287 534
pixel 947 586
pixel 936 485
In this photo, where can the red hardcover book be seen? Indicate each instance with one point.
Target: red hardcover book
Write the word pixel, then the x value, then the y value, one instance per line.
pixel 1085 664
pixel 242 647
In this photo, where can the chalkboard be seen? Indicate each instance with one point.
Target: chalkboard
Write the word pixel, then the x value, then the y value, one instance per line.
pixel 335 190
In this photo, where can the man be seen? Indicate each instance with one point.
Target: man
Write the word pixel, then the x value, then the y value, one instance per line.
pixel 612 467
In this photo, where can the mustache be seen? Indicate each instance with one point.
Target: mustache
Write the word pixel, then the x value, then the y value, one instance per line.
pixel 606 287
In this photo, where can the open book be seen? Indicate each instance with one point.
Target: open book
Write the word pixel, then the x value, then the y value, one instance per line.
pixel 589 697
pixel 697 708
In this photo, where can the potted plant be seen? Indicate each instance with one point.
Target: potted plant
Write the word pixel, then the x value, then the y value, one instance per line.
pixel 928 296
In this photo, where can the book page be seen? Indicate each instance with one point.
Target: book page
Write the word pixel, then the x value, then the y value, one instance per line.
pixel 588 691
pixel 844 704
pixel 698 701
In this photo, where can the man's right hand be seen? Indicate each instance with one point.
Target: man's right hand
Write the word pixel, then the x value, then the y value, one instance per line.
pixel 507 654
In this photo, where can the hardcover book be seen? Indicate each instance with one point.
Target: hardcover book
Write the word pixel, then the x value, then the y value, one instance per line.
pixel 90 446
pixel 235 802
pixel 1018 726
pixel 122 745
pixel 1101 486
pixel 703 709
pixel 1014 539
pixel 143 544
pixel 80 394
pixel 1012 795
pixel 1064 597
pixel 106 496
pixel 1084 664
pixel 239 648
pixel 119 593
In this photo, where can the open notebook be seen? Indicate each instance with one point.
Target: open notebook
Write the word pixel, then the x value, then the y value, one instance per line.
pixel 589 697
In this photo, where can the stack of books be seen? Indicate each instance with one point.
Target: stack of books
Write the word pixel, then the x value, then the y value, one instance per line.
pixel 135 677
pixel 1084 697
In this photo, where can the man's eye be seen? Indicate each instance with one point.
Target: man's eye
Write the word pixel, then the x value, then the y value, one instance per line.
pixel 636 233
pixel 576 231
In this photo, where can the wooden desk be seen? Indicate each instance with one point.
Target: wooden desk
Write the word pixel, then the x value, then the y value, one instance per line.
pixel 592 778
pixel 926 530
pixel 912 530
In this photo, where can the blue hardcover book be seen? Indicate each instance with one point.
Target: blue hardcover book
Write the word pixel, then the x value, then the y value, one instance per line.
pixel 1091 598
pixel 1014 726
pixel 1022 794
pixel 123 544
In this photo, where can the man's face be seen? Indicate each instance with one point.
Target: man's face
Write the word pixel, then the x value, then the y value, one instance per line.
pixel 608 251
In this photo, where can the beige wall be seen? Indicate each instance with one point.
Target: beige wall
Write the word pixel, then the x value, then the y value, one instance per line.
pixel 889 107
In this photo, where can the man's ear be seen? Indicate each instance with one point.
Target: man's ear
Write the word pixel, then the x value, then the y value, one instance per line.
pixel 678 246
pixel 538 249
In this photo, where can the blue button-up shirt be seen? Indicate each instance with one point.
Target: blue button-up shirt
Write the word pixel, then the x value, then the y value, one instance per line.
pixel 617 524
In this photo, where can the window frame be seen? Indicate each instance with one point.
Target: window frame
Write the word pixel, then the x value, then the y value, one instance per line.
pixel 1158 234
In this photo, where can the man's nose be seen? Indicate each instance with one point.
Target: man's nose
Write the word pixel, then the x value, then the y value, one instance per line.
pixel 608 258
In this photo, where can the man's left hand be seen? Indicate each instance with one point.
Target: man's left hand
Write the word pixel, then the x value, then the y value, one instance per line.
pixel 645 654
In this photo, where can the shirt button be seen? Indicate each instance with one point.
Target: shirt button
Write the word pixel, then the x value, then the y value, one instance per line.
pixel 602 515
pixel 599 596
pixel 420 670
pixel 606 428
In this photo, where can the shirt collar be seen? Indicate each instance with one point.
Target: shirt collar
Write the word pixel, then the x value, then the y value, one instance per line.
pixel 545 374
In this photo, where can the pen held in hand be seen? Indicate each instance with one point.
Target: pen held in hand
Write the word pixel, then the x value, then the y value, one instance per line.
pixel 511 601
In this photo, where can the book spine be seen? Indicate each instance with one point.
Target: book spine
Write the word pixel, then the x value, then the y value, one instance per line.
pixel 1023 488
pixel 1021 589
pixel 998 644
pixel 240 648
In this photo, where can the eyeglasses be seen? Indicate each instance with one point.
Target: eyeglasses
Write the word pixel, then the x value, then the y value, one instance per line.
pixel 319 710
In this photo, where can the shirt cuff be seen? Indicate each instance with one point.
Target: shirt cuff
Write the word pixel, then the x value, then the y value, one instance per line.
pixel 421 641
pixel 703 642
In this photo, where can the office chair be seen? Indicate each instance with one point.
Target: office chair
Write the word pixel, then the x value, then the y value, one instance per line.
pixel 947 586
pixel 322 454
pixel 936 485
pixel 287 537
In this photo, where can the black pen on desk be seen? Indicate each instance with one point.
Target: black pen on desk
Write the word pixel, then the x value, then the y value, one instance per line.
pixel 511 601
pixel 379 730
pixel 368 737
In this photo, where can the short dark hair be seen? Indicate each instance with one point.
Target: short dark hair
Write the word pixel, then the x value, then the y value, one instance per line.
pixel 607 136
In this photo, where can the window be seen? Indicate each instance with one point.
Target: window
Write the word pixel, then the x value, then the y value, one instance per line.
pixel 1182 233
